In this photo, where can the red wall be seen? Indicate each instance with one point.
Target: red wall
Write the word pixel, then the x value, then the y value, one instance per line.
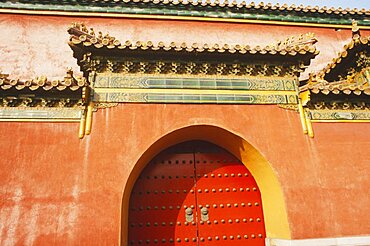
pixel 57 189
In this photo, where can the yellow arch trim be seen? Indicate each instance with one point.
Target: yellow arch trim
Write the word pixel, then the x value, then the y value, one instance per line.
pixel 275 215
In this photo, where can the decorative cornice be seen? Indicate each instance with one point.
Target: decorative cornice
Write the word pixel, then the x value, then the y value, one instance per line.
pixel 32 102
pixel 356 84
pixel 40 99
pixel 144 81
pixel 178 68
pixel 83 37
pixel 341 87
pixel 37 114
pixel 347 74
pixel 147 72
pixel 354 57
pixel 340 115
pixel 201 9
pixel 333 105
pixel 41 92
pixel 42 82
pixel 340 92
pixel 164 88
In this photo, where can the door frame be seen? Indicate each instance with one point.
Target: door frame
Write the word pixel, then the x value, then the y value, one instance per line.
pixel 273 203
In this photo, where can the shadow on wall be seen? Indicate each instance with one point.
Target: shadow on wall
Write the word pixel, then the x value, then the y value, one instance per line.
pixel 273 203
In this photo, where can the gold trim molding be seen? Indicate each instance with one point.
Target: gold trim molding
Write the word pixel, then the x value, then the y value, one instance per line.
pixel 40 114
pixel 103 105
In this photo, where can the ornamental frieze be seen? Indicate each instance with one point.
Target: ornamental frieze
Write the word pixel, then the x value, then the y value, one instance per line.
pixel 112 80
pixel 128 96
pixel 41 114
pixel 125 65
pixel 339 115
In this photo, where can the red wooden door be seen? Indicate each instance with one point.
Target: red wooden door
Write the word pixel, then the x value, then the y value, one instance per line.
pixel 196 194
pixel 229 202
pixel 159 200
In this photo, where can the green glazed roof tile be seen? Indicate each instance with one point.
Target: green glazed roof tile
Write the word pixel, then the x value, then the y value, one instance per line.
pixel 219 10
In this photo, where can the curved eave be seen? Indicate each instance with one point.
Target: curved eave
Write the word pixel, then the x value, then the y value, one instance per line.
pixel 69 86
pixel 339 88
pixel 191 54
pixel 336 65
pixel 341 91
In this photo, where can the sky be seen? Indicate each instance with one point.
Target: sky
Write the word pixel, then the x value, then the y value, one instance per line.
pixel 328 3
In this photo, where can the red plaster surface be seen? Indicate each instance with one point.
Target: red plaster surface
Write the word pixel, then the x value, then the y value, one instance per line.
pixel 57 189
pixel 37 45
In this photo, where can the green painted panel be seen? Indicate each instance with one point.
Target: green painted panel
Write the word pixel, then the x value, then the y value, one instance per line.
pixel 9 113
pixel 246 83
pixel 215 98
pixel 340 114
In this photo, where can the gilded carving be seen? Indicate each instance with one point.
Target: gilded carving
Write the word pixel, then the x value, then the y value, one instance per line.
pixel 103 105
pixel 124 66
pixel 363 59
pixel 293 107
pixel 40 102
pixel 332 105
pixel 340 115
pixel 291 42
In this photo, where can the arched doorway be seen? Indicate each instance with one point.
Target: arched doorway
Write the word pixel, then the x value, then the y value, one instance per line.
pixel 196 193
